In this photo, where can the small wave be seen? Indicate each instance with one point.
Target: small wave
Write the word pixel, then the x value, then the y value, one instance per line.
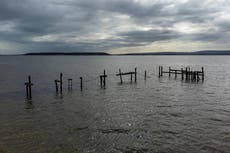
pixel 216 119
pixel 107 131
pixel 78 129
pixel 164 106
pixel 169 132
pixel 176 114
pixel 132 150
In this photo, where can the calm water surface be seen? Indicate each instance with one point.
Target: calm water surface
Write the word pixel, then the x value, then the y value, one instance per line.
pixel 164 115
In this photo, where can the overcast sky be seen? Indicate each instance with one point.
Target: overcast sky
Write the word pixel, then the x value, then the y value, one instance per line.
pixel 113 26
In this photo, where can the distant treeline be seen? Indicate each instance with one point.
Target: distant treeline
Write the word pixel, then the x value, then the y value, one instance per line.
pixel 69 53
pixel 205 52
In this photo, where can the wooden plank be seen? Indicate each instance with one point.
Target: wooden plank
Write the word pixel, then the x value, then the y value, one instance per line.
pixel 127 73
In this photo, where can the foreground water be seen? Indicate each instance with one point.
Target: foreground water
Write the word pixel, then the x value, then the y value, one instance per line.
pixel 157 115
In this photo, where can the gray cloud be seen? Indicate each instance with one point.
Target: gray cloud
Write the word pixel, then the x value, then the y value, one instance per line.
pixel 148 36
pixel 102 25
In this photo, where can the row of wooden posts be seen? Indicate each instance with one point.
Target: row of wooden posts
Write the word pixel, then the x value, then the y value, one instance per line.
pixel 129 73
pixel 186 73
pixel 193 75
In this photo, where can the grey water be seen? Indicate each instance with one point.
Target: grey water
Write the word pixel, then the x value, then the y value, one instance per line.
pixel 163 115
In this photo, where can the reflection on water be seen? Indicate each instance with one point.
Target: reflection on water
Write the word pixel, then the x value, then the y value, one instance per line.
pixel 29 104
pixel 152 115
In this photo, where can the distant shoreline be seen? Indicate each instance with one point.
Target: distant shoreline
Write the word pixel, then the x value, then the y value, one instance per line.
pixel 206 52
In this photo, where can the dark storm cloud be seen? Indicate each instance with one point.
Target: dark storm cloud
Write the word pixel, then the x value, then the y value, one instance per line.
pixel 28 16
pixel 149 36
pixel 65 25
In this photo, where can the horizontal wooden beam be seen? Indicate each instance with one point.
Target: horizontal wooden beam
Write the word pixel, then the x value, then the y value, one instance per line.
pixel 127 73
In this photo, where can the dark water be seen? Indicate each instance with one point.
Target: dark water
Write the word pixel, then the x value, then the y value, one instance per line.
pixel 157 115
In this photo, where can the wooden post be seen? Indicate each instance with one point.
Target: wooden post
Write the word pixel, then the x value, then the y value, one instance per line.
pixel 135 74
pixel 27 90
pixel 101 81
pixel 202 69
pixel 104 79
pixel 186 73
pixel 81 83
pixel 61 82
pixel 120 76
pixel 159 70
pixel 169 71
pixel 56 85
pixel 131 77
pixel 197 74
pixel 145 74
pixel 182 74
pixel 30 84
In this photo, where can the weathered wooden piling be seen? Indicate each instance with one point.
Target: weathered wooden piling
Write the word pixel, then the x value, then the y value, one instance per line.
pixel 161 70
pixel 135 74
pixel 61 75
pixel 81 85
pixel 188 74
pixel 182 74
pixel 56 85
pixel 145 74
pixel 120 76
pixel 202 71
pixel 103 79
pixel 175 74
pixel 131 77
pixel 198 76
pixel 29 84
pixel 169 71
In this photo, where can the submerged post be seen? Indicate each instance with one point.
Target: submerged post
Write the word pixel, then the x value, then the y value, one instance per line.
pixel 135 74
pixel 197 74
pixel 189 73
pixel 81 83
pixel 61 82
pixel 175 74
pixel 182 74
pixel 202 70
pixel 101 81
pixel 56 85
pixel 169 71
pixel 131 77
pixel 120 76
pixel 30 84
pixel 159 70
pixel 186 73
pixel 28 88
pixel 145 74
pixel 104 79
